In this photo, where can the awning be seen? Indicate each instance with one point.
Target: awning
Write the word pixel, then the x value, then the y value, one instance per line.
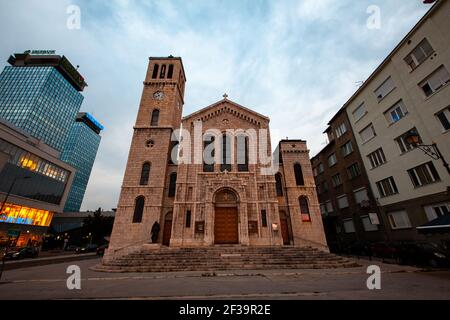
pixel 441 224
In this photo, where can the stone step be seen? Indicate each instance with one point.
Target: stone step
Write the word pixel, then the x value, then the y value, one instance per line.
pixel 225 258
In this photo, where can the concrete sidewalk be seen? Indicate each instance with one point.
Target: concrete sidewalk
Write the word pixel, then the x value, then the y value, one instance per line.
pixel 27 263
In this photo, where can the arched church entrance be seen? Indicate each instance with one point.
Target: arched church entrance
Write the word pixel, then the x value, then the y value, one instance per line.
pixel 167 233
pixel 226 218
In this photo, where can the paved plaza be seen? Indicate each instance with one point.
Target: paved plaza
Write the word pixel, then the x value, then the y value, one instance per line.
pixel 398 282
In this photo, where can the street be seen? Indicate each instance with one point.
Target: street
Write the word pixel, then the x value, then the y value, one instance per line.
pixel 398 282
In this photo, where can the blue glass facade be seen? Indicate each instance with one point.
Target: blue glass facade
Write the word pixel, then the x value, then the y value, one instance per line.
pixel 80 151
pixel 39 100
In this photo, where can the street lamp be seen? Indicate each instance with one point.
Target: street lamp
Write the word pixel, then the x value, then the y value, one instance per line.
pixel 432 150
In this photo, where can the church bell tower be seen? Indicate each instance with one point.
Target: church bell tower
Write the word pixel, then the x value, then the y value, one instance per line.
pixel 143 196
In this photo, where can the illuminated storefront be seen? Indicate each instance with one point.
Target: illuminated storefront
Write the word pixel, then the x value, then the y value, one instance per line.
pixel 23 215
pixel 29 224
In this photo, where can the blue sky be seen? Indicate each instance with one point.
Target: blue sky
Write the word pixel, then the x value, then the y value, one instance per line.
pixel 296 61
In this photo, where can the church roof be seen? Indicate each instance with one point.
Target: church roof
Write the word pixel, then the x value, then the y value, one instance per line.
pixel 223 101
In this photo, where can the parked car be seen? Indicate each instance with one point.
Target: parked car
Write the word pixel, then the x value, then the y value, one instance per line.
pixel 71 248
pixel 384 250
pixel 87 249
pixel 101 250
pixel 424 254
pixel 24 253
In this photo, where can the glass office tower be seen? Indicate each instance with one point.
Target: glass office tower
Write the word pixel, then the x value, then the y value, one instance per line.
pixel 41 95
pixel 80 151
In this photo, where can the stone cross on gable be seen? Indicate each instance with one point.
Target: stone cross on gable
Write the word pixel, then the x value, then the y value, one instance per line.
pixel 225 96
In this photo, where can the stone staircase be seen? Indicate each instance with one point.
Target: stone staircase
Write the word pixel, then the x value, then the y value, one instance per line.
pixel 221 258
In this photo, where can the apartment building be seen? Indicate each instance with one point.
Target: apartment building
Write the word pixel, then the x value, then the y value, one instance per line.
pixel 409 94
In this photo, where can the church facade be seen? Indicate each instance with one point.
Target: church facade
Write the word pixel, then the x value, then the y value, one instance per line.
pixel 211 178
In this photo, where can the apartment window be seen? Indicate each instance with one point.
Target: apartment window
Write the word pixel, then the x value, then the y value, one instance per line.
pixel 419 54
pixel 377 158
pixel 435 81
pixel 347 149
pixel 354 171
pixel 404 145
pixel 349 226
pixel 359 112
pixel 368 133
pixel 332 160
pixel 325 186
pixel 321 168
pixel 385 89
pixel 341 130
pixel 329 206
pixel 396 113
pixel 342 202
pixel 323 209
pixel 367 224
pixel 336 180
pixel 399 220
pixel 361 195
pixel 444 118
pixel 435 211
pixel 424 175
pixel 316 172
pixel 387 187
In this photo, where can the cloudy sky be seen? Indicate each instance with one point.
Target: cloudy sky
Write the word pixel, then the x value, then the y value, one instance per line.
pixel 295 61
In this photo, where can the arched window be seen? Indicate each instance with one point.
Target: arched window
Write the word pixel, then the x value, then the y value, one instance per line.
pixel 170 72
pixel 172 185
pixel 299 175
pixel 155 118
pixel 226 153
pixel 304 209
pixel 139 209
pixel 155 71
pixel 145 174
pixel 279 185
pixel 209 154
pixel 242 153
pixel 173 152
pixel 163 72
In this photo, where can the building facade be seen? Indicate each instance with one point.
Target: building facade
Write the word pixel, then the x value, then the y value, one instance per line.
pixel 347 203
pixel 41 94
pixel 408 95
pixel 206 185
pixel 34 184
pixel 80 151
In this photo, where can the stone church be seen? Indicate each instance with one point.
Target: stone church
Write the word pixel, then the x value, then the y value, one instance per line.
pixel 216 181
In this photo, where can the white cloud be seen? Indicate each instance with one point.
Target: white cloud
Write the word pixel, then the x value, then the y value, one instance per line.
pixel 294 61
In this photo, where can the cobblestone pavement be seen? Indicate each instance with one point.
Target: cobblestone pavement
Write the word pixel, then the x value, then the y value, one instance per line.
pixel 398 282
